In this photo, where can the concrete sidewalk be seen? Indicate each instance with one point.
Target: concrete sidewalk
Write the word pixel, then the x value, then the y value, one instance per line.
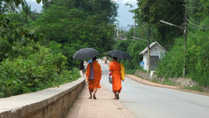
pixel 103 107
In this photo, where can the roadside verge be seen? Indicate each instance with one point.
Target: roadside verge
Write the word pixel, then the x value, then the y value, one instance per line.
pixel 146 82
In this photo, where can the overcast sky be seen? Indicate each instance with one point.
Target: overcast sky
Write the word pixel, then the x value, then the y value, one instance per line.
pixel 124 16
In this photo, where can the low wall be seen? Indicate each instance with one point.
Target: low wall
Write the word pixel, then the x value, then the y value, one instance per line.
pixel 48 103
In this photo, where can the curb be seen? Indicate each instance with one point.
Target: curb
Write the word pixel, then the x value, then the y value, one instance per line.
pixel 146 82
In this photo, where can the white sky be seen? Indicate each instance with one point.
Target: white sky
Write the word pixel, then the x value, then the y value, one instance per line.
pixel 125 1
pixel 124 16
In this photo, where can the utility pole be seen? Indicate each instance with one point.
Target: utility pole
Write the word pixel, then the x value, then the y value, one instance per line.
pixel 116 32
pixel 148 42
pixel 184 28
pixel 185 37
pixel 134 27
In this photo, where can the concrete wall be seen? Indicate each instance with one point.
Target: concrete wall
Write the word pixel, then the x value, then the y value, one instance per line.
pixel 145 60
pixel 156 50
pixel 48 103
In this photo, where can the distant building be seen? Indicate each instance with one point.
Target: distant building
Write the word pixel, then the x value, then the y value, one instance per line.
pixel 156 53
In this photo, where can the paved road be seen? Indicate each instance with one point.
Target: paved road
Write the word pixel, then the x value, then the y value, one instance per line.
pixel 153 102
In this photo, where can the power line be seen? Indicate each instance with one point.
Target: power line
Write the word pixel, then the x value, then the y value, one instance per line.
pixel 196 22
pixel 159 24
pixel 192 34
pixel 193 20
pixel 195 26
pixel 175 16
pixel 139 38
pixel 153 35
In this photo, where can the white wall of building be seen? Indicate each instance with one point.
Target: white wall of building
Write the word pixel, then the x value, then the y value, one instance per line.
pixel 145 57
pixel 156 50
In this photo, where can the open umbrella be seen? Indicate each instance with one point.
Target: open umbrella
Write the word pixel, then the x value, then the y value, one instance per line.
pixel 85 53
pixel 119 54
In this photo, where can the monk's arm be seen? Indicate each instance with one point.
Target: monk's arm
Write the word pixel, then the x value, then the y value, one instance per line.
pixel 87 72
pixel 110 67
pixel 100 71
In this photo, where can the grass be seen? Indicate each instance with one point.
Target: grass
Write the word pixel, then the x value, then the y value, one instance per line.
pixel 195 88
pixel 165 82
pixel 171 83
pixel 130 71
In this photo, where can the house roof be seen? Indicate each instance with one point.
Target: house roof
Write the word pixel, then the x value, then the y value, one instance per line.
pixel 151 46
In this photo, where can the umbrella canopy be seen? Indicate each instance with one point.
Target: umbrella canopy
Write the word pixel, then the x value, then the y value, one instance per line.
pixel 85 53
pixel 119 54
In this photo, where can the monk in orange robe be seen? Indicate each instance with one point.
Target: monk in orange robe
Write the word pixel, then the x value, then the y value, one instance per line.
pixel 116 77
pixel 95 83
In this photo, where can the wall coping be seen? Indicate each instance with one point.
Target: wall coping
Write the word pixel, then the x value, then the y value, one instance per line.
pixel 33 101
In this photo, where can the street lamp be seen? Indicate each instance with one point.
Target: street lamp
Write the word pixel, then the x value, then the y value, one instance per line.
pixel 162 21
pixel 185 39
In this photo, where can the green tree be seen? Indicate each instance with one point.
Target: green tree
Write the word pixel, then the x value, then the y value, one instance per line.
pixel 105 10
pixel 24 17
pixel 197 58
pixel 151 12
pixel 132 47
pixel 78 24
pixel 8 6
pixel 22 2
pixel 26 63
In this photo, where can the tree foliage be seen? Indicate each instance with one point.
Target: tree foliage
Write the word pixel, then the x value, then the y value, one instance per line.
pixel 26 66
pixel 197 58
pixel 23 2
pixel 105 10
pixel 36 48
pixel 26 62
pixel 132 47
pixel 151 12
pixel 78 24
pixel 40 70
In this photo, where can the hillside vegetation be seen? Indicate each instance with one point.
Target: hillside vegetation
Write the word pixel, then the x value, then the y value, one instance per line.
pixel 148 15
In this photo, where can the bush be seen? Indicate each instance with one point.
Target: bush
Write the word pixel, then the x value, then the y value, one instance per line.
pixel 17 48
pixel 39 71
pixel 26 65
pixel 173 62
pixel 197 59
pixel 132 47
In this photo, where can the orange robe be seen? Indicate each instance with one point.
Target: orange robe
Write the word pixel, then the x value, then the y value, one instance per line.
pixel 116 76
pixel 95 83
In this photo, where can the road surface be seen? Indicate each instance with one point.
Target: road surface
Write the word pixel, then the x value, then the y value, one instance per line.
pixel 153 102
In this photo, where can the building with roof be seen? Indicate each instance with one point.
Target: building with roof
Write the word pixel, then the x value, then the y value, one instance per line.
pixel 156 53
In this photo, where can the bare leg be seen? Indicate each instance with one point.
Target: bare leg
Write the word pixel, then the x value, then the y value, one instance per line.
pixel 117 94
pixel 90 92
pixel 94 93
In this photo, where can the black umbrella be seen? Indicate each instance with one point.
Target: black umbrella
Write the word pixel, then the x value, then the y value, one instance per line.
pixel 85 53
pixel 119 54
